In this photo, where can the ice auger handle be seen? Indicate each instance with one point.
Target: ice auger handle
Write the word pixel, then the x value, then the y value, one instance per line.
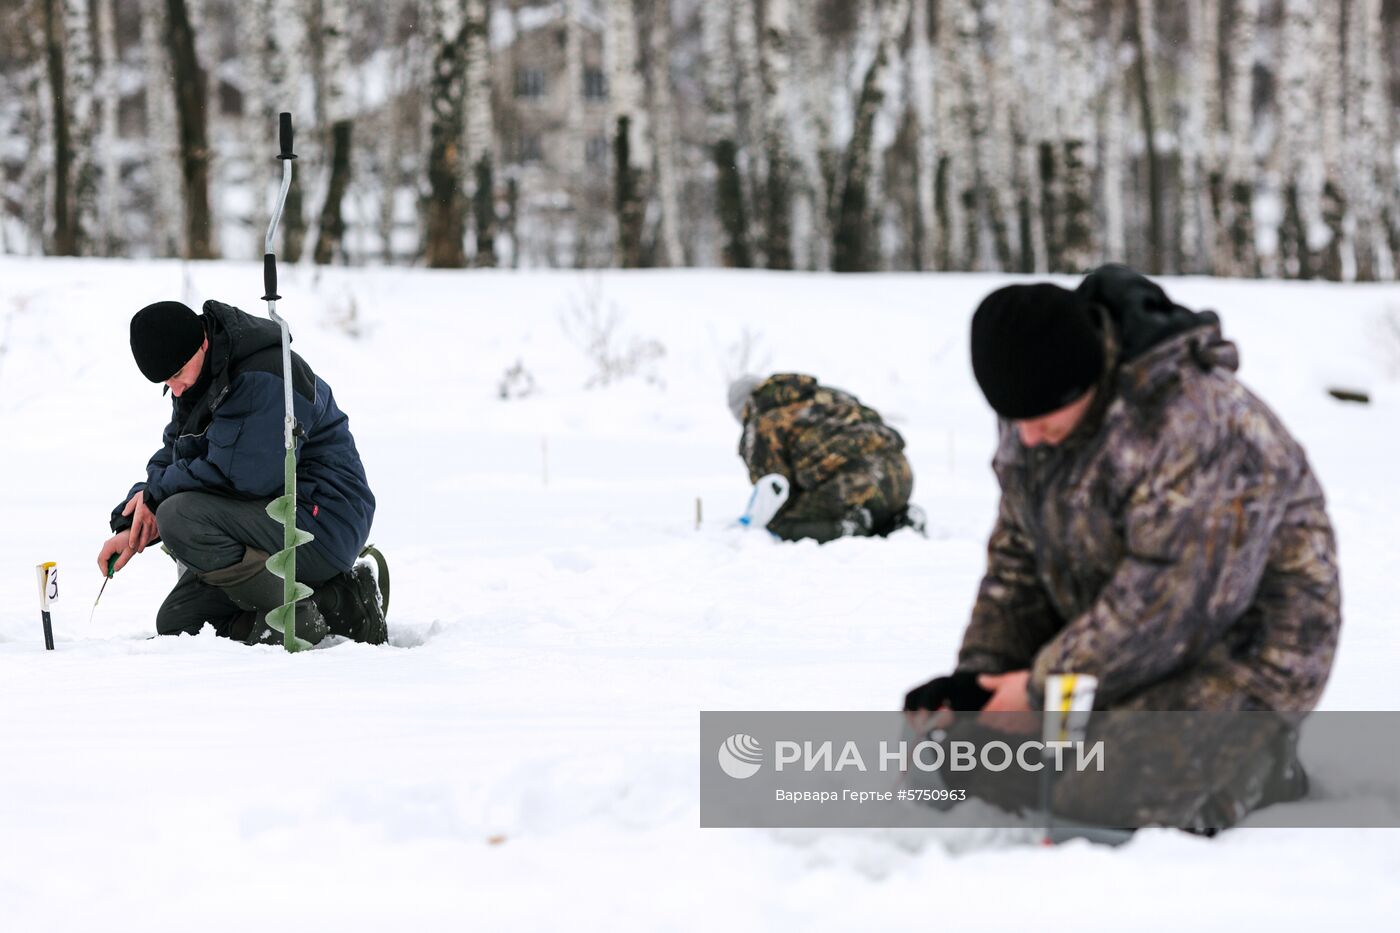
pixel 284 133
pixel 270 277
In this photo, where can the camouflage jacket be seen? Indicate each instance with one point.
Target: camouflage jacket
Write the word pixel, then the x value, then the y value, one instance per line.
pixel 1176 545
pixel 807 432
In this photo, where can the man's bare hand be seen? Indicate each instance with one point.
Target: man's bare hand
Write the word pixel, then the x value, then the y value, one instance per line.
pixel 117 544
pixel 1010 702
pixel 143 522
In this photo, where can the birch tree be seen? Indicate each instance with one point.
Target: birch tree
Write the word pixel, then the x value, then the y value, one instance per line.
pixel 1299 163
pixel 30 191
pixel 1114 144
pixel 775 67
pixel 1074 248
pixel 812 138
pixel 1365 131
pixel 110 234
pixel 991 89
pixel 628 126
pixel 1331 91
pixel 1241 256
pixel 335 47
pixel 750 108
pixel 925 232
pixel 81 81
pixel 444 212
pixel 162 134
pixel 953 142
pixel 722 132
pixel 1144 18
pixel 275 72
pixel 852 237
pixel 1197 134
pixel 662 112
pixel 480 137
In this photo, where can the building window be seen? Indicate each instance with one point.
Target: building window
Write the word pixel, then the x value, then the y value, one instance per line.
pixel 529 82
pixel 595 84
pixel 595 151
pixel 529 149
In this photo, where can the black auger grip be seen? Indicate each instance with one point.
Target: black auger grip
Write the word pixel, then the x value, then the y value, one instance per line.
pixel 284 133
pixel 270 277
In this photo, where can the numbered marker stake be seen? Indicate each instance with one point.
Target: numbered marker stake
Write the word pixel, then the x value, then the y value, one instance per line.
pixel 48 592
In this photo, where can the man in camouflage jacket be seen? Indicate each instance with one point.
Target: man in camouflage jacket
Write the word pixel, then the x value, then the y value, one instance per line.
pixel 845 466
pixel 1160 530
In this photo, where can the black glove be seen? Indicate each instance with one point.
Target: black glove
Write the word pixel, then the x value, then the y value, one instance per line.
pixel 959 690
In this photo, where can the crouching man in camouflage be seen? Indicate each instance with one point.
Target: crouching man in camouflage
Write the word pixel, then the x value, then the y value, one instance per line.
pixel 1158 529
pixel 846 468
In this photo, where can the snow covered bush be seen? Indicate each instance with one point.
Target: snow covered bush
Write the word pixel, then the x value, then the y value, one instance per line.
pixel 516 382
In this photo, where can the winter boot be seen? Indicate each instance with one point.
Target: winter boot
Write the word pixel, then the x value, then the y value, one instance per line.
pixel 353 604
pixel 254 588
pixel 1288 782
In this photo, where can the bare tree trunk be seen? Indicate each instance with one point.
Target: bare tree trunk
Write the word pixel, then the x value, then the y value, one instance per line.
pixel 480 139
pixel 445 209
pixel 1299 140
pixel 662 113
pixel 64 241
pixel 273 83
pixel 954 150
pixel 1033 69
pixel 926 233
pixel 1192 250
pixel 775 65
pixel 1115 149
pixel 812 134
pixel 1078 250
pixel 1243 259
pixel 1010 180
pixel 81 78
pixel 109 236
pixel 31 191
pixel 852 244
pixel 1327 25
pixel 207 48
pixel 994 137
pixel 1366 116
pixel 1217 215
pixel 190 100
pixel 722 132
pixel 1145 38
pixel 167 204
pixel 630 134
pixel 750 111
pixel 335 45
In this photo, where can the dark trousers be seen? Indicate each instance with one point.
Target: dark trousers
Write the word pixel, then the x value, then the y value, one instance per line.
pixel 208 532
pixel 862 499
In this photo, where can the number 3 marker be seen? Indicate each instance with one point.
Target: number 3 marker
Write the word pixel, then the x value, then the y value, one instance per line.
pixel 48 592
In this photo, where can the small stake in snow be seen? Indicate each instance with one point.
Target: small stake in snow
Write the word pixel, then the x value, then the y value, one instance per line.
pixel 48 592
pixel 284 507
pixel 111 567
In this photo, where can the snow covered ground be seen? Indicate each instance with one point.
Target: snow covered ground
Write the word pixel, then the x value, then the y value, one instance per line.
pixel 524 755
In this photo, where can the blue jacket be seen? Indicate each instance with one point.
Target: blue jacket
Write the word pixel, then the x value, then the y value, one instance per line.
pixel 226 436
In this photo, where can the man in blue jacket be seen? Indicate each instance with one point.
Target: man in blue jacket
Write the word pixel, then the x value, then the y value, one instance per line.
pixel 221 462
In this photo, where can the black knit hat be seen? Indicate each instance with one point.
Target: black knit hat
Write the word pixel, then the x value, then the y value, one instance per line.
pixel 1035 349
pixel 164 337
